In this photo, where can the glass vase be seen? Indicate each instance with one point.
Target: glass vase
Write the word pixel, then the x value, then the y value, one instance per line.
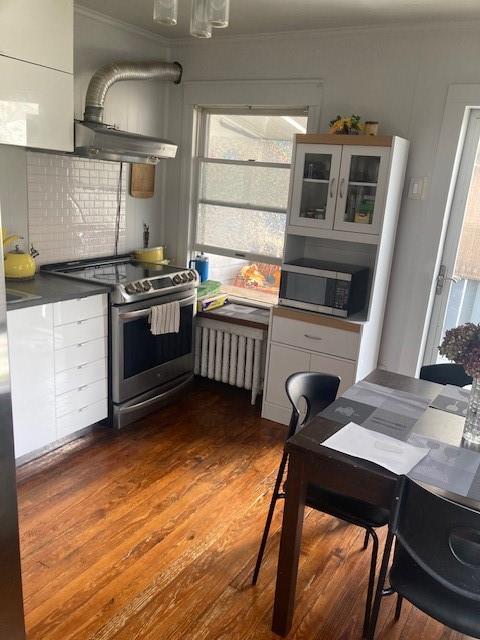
pixel 471 431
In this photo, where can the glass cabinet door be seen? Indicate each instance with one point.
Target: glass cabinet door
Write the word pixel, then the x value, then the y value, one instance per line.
pixel 361 189
pixel 315 184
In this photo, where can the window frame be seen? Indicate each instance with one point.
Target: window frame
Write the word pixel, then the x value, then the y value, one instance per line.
pixel 202 113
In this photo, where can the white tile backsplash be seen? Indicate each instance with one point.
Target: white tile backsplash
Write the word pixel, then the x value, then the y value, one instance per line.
pixel 72 206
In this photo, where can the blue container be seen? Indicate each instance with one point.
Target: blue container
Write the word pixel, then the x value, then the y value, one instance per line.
pixel 200 264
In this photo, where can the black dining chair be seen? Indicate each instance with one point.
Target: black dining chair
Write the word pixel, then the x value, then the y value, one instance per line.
pixel 316 391
pixel 436 562
pixel 448 373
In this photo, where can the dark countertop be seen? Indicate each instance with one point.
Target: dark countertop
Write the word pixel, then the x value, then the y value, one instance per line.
pixel 51 288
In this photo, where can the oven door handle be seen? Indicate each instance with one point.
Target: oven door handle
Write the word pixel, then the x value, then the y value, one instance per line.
pixel 142 313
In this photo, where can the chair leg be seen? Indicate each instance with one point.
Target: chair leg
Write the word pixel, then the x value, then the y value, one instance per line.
pixel 380 585
pixel 271 509
pixel 371 580
pixel 367 536
pixel 398 608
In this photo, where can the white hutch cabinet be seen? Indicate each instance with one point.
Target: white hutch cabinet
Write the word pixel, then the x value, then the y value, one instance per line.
pixel 344 203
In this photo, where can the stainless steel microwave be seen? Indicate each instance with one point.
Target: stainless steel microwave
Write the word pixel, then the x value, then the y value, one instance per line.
pixel 326 287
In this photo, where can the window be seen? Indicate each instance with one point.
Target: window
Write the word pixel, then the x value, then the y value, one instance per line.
pixel 243 171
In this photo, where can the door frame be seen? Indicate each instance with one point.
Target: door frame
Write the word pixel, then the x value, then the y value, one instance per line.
pixel 461 190
pixel 460 100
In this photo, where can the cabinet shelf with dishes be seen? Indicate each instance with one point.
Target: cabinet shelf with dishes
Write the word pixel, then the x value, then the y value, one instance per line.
pixel 344 202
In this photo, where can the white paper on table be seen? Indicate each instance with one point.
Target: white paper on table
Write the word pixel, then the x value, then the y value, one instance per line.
pixel 394 455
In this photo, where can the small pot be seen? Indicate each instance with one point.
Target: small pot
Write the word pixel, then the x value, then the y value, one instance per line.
pixel 151 254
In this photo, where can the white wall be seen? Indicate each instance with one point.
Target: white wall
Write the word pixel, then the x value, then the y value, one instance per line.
pixel 398 76
pixel 140 107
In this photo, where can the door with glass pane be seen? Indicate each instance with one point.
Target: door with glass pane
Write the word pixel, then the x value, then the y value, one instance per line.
pixel 361 189
pixel 315 185
pixel 457 288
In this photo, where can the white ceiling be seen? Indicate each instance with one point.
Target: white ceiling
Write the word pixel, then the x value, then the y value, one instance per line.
pixel 273 16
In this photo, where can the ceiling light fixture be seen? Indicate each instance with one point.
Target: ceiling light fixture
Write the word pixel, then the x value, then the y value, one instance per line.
pixel 205 15
pixel 200 27
pixel 165 12
pixel 218 13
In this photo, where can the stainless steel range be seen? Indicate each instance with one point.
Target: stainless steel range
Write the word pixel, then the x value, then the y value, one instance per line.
pixel 146 370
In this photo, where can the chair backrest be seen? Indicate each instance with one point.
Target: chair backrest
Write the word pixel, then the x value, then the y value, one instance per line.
pixel 441 536
pixel 448 373
pixel 317 390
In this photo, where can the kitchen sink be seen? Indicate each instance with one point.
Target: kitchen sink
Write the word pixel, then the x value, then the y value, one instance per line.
pixel 13 295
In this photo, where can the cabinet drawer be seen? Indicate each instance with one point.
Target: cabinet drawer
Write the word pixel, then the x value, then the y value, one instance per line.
pixel 81 418
pixel 342 368
pixel 315 337
pixel 80 353
pixel 80 376
pixel 82 331
pixel 81 397
pixel 69 311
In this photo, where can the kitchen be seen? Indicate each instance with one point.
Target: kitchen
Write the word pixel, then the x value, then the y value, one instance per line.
pixel 86 370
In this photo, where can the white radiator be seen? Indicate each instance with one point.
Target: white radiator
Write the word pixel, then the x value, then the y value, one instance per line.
pixel 230 353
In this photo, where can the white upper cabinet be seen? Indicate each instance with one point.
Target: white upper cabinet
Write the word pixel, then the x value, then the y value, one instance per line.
pixel 36 68
pixel 315 185
pixel 339 187
pixel 37 106
pixel 361 189
pixel 38 31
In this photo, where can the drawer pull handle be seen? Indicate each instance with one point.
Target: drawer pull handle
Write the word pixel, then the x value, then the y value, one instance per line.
pixel 80 344
pixel 80 322
pixel 308 335
pixel 82 387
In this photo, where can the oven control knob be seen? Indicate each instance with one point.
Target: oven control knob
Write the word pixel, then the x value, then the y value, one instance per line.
pixel 138 287
pixel 177 279
pixel 130 288
pixel 184 277
pixel 147 285
pixel 191 275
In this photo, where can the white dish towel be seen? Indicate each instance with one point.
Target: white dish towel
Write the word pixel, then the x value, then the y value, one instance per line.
pixel 164 318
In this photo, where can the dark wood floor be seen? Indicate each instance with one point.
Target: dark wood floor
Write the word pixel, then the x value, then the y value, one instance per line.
pixel 152 533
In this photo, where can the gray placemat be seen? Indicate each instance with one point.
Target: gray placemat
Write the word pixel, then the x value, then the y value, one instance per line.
pixel 384 410
pixel 453 400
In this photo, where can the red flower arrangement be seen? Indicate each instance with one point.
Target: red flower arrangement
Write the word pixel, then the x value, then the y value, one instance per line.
pixel 462 346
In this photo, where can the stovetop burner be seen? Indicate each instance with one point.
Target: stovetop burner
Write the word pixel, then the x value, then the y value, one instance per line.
pixel 131 280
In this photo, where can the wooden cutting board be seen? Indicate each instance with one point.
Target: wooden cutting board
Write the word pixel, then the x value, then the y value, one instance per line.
pixel 142 180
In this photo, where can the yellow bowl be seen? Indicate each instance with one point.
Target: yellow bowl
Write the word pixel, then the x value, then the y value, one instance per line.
pixel 152 254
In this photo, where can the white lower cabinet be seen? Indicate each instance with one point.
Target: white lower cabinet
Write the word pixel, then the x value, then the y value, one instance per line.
pixel 306 342
pixel 283 362
pixel 336 367
pixel 32 377
pixel 59 372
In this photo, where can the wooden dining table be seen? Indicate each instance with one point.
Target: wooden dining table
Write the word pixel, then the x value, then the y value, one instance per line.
pixel 312 463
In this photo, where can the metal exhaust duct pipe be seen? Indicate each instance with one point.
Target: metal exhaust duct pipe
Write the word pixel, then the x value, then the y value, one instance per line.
pixel 103 79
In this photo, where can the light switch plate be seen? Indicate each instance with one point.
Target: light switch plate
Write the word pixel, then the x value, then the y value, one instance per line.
pixel 417 189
